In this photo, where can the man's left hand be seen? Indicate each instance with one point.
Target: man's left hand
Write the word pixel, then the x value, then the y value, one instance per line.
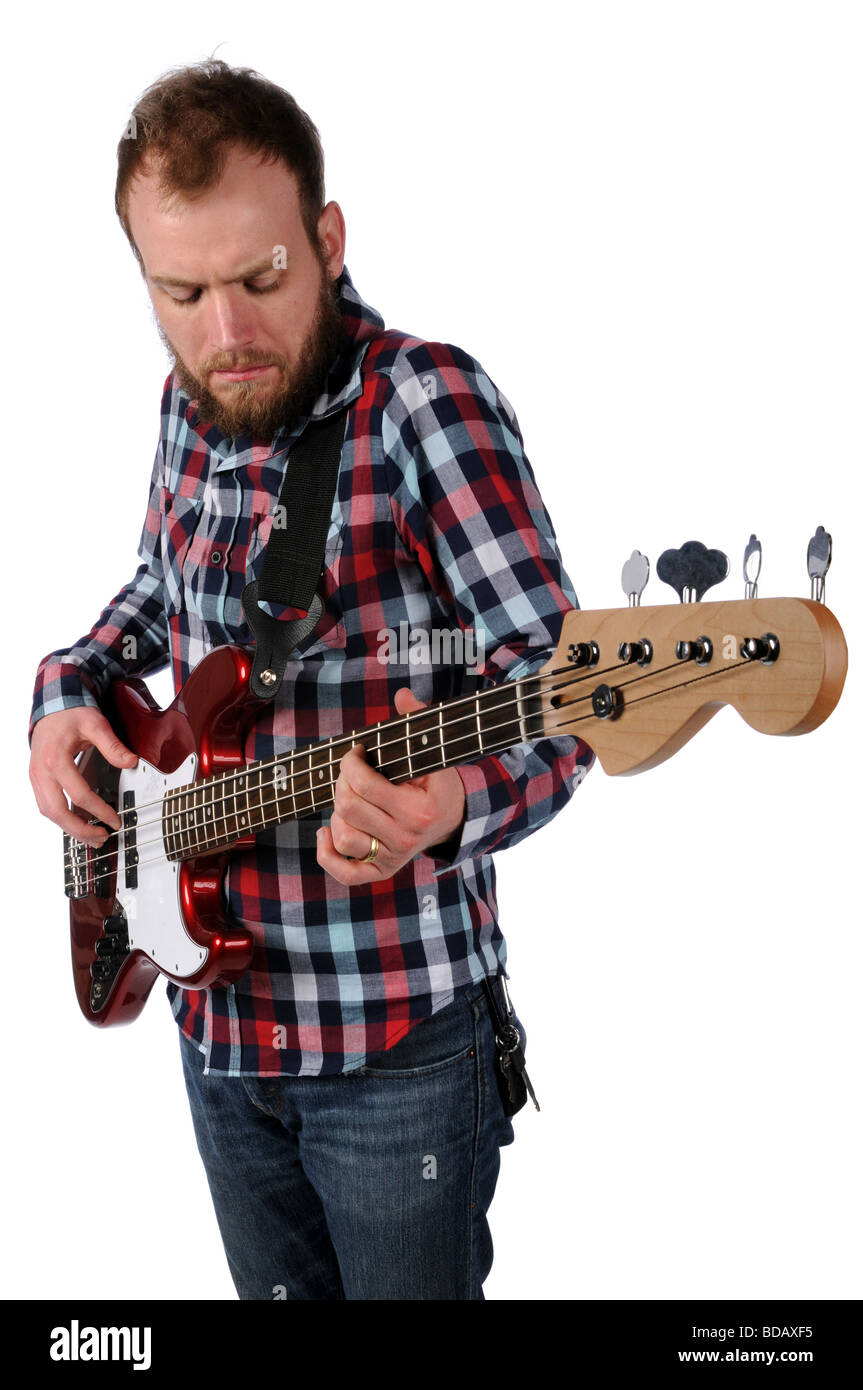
pixel 406 819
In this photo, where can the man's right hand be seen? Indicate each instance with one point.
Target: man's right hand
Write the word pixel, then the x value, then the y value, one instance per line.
pixel 57 739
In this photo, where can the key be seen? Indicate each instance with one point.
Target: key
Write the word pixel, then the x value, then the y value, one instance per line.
pixel 752 566
pixel 634 577
pixel 692 570
pixel 818 558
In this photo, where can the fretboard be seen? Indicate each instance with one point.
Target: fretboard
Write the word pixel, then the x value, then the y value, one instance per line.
pixel 216 811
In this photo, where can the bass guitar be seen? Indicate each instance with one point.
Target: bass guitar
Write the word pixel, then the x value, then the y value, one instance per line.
pixel 634 683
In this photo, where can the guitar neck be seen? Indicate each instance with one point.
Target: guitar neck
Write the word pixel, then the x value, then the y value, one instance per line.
pixel 635 683
pixel 216 811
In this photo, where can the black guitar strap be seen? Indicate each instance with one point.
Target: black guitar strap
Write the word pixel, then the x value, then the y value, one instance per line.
pixel 294 555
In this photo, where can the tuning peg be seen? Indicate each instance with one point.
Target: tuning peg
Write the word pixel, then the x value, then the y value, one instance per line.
pixel 752 566
pixel 634 577
pixel 692 570
pixel 818 557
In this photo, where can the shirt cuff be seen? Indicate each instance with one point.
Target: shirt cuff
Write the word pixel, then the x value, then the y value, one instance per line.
pixel 462 843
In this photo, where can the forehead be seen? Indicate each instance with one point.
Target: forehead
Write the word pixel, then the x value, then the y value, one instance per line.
pixel 254 207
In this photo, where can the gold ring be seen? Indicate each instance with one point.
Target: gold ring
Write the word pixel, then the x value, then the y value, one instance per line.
pixel 373 851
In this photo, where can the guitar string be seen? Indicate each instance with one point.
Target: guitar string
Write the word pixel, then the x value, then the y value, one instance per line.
pixel 518 692
pixel 302 774
pixel 104 858
pixel 651 695
pixel 105 866
pixel 402 720
pixel 280 763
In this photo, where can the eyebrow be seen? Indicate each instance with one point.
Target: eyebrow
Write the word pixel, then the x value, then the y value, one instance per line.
pixel 248 273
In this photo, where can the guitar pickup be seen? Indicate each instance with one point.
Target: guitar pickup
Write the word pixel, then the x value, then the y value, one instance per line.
pixel 130 840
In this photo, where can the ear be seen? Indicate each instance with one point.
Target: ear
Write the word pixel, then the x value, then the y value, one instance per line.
pixel 331 236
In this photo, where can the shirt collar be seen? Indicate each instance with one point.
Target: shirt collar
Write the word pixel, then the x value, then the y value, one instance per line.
pixel 342 385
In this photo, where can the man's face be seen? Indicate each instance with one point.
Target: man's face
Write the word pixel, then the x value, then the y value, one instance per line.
pixel 244 302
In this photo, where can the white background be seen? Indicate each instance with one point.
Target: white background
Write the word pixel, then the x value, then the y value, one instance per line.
pixel 645 221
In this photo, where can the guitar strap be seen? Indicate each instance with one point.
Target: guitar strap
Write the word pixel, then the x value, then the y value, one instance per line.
pixel 294 554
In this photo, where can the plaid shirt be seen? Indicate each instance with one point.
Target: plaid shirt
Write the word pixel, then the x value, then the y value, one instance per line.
pixel 437 525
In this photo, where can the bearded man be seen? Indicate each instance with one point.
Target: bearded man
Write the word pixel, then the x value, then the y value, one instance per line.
pixel 346 1090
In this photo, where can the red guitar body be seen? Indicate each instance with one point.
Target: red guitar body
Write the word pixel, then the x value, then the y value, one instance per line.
pixel 208 719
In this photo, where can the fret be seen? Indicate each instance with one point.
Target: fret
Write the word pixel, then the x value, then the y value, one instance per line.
pixel 283 787
pixel 272 809
pixel 232 826
pixel 240 790
pixel 184 823
pixel 301 781
pixel 218 809
pixel 332 777
pixel 478 725
pixel 323 781
pixel 322 776
pixel 519 703
pixel 440 730
pixel 425 756
pixel 240 785
pixel 196 794
pixel 194 818
pixel 408 743
pixel 277 783
pixel 379 746
pixel 256 818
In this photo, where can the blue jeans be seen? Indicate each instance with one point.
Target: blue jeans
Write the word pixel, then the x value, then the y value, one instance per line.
pixel 374 1184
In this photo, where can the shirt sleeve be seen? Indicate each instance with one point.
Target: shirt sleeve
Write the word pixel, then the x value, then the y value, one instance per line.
pixel 466 506
pixel 129 638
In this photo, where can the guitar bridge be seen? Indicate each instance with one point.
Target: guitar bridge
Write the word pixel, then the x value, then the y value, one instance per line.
pixel 86 869
pixel 75 867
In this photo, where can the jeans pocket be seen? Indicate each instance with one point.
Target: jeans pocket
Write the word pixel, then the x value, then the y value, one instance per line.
pixel 443 1040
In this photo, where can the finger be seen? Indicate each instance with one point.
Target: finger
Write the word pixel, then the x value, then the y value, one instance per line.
pixel 366 800
pixel 347 872
pixel 352 841
pixel 102 736
pixel 53 805
pixel 405 700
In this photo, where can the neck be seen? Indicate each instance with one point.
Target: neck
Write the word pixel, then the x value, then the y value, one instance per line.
pixel 215 812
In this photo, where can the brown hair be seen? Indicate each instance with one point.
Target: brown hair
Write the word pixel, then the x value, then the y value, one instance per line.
pixel 190 116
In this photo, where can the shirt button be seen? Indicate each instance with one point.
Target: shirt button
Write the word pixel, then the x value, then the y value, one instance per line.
pixel 216 557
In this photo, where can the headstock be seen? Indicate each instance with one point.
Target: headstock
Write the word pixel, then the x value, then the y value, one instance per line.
pixel 636 683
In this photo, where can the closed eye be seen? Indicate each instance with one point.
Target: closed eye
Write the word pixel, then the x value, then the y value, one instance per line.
pixel 250 285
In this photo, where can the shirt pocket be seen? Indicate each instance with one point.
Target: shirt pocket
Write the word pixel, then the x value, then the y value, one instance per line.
pixel 180 520
pixel 329 633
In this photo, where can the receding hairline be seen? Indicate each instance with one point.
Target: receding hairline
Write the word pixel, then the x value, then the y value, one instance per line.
pixel 153 165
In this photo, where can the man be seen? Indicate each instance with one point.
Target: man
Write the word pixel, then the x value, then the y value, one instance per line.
pixel 345 1091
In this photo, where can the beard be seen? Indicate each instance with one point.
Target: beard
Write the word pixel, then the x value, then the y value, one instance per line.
pixel 244 409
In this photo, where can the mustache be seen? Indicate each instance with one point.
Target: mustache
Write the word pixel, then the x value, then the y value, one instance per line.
pixel 239 361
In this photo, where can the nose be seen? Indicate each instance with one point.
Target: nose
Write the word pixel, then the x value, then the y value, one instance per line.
pixel 231 324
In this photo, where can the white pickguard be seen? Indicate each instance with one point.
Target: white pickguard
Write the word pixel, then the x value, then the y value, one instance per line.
pixel 152 909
